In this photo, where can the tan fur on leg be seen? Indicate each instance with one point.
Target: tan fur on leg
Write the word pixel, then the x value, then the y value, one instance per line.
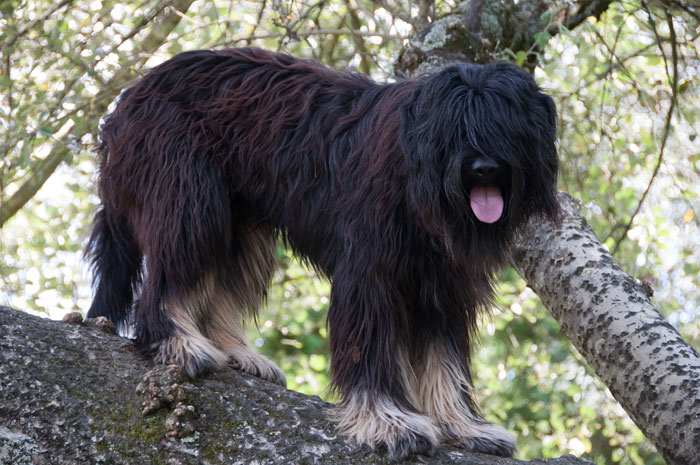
pixel 442 387
pixel 188 347
pixel 228 308
pixel 226 330
pixel 379 421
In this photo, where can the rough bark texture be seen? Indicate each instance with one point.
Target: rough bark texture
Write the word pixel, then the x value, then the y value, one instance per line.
pixel 608 316
pixel 77 394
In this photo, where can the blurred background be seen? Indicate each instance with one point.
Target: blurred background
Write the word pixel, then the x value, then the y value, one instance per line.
pixel 628 94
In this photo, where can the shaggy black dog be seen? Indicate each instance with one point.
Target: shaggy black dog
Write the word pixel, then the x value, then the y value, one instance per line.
pixel 405 195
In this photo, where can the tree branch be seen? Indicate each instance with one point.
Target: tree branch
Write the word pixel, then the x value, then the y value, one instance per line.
pixel 98 106
pixel 365 56
pixel 584 9
pixel 258 20
pixel 314 32
pixel 669 116
pixel 473 16
pixel 398 13
pixel 482 31
pixel 40 172
pixel 73 393
pixel 608 316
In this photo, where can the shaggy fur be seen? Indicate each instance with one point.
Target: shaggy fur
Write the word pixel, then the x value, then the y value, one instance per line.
pixel 215 154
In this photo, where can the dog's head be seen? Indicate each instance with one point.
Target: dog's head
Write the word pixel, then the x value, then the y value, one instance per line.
pixel 481 148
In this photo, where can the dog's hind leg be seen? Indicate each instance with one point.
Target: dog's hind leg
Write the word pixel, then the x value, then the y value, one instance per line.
pixel 171 312
pixel 183 228
pixel 241 287
pixel 176 325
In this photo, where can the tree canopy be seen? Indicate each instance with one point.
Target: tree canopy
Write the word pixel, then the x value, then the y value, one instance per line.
pixel 625 78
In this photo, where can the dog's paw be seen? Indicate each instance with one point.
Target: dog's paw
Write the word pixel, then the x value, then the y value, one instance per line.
pixel 195 355
pixel 492 446
pixel 481 436
pixel 257 365
pixel 407 443
pixel 385 426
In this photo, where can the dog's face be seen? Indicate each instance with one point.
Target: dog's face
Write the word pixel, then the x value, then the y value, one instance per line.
pixel 480 142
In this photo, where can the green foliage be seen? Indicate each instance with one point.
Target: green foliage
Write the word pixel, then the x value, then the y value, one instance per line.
pixel 612 85
pixel 61 66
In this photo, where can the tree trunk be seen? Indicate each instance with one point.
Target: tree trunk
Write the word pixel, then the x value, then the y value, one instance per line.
pixel 608 316
pixel 76 394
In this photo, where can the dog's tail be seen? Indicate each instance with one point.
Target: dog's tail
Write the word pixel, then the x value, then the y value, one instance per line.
pixel 116 264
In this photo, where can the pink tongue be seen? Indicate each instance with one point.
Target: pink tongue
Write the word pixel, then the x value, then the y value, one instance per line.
pixel 487 203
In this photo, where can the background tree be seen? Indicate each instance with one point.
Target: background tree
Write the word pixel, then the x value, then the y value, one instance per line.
pixel 627 90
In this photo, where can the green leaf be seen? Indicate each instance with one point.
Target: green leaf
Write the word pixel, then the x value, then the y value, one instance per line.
pixel 46 130
pixel 542 38
pixel 691 268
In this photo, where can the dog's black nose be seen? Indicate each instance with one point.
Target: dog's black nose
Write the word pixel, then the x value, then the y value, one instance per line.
pixel 484 167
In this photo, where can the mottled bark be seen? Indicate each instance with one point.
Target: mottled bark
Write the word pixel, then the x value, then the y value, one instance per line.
pixel 609 317
pixel 77 394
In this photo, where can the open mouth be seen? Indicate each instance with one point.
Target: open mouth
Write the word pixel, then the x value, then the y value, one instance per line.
pixel 486 203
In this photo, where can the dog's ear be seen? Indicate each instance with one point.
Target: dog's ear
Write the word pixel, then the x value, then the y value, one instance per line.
pixel 545 131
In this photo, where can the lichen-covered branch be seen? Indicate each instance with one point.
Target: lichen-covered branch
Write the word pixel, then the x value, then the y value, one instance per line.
pixel 482 31
pixel 74 393
pixel 609 318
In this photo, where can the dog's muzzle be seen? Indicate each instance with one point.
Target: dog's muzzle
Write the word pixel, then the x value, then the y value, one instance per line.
pixel 486 199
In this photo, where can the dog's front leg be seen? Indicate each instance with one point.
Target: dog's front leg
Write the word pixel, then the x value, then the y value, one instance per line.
pixel 370 366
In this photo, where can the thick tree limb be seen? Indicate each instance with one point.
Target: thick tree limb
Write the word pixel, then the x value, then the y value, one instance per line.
pixel 75 394
pixel 609 318
pixel 579 11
